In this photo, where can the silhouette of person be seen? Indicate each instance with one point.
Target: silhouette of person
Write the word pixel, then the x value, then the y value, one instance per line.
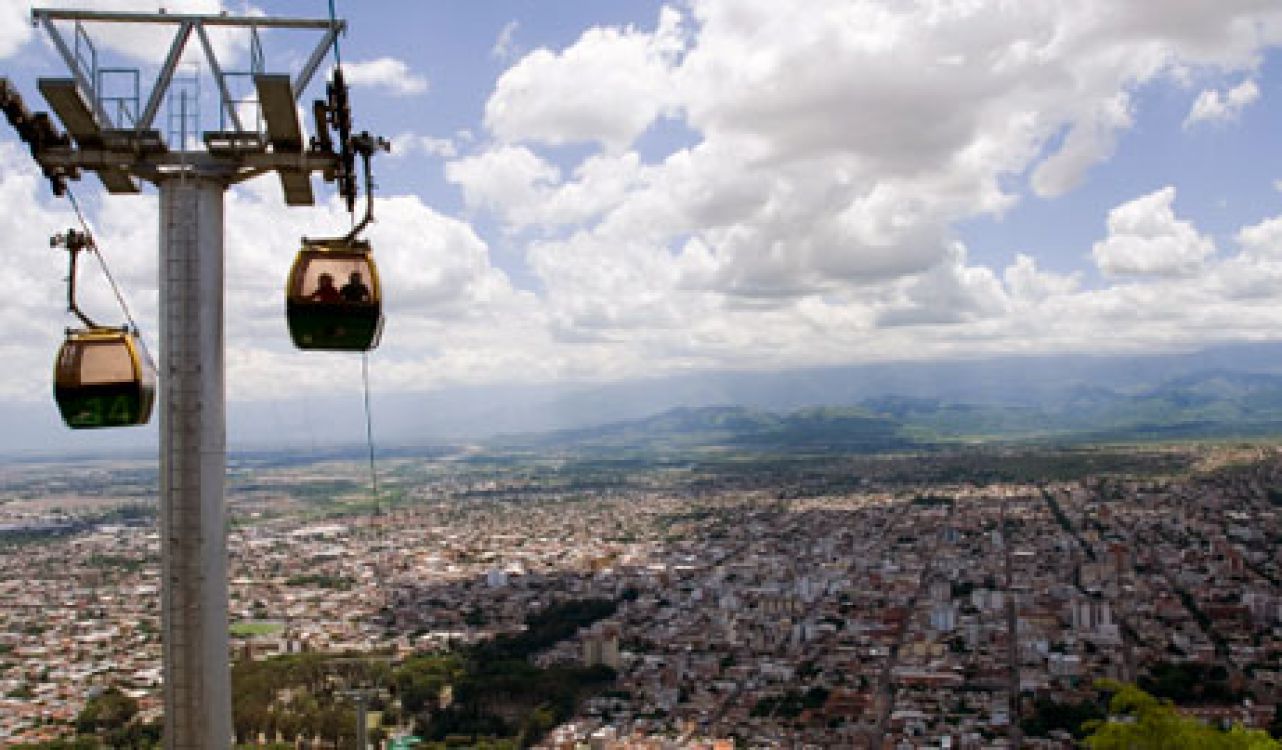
pixel 355 290
pixel 325 291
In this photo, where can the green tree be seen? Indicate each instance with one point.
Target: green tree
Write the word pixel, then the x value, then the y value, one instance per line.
pixel 110 710
pixel 1143 722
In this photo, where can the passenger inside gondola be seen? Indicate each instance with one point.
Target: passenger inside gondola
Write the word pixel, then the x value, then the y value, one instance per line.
pixel 325 291
pixel 355 290
pixel 332 299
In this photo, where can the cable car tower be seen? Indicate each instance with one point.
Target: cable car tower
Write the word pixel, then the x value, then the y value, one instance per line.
pixel 115 137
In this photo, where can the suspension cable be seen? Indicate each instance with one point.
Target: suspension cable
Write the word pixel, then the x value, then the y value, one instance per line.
pixel 333 23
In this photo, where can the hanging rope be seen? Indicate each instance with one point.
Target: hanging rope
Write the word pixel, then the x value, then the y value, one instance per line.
pixel 380 530
pixel 369 435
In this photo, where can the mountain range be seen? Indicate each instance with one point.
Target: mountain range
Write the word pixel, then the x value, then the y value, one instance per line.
pixel 1222 391
pixel 1214 405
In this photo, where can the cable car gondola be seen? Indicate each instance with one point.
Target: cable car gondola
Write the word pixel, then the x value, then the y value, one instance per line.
pixel 103 378
pixel 332 298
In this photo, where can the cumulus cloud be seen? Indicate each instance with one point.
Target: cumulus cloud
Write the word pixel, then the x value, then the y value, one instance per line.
pixel 833 153
pixel 505 179
pixel 1027 285
pixel 607 87
pixel 526 191
pixel 949 293
pixel 839 146
pixel 386 73
pixel 1212 106
pixel 1263 240
pixel 1145 239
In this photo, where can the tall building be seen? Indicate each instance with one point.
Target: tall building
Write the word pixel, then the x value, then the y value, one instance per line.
pixel 601 645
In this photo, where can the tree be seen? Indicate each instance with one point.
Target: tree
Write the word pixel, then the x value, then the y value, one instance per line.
pixel 110 710
pixel 1143 722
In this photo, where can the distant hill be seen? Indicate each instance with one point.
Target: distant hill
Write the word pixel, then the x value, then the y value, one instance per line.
pixel 1026 386
pixel 1215 404
pixel 829 429
pixel 1212 404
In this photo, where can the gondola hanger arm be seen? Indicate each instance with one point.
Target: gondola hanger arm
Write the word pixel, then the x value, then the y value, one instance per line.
pixel 74 242
pixel 365 145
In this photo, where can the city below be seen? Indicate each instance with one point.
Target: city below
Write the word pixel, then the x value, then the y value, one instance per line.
pixel 965 597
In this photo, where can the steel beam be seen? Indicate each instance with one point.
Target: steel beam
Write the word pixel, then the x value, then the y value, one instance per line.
pixel 313 62
pixel 277 102
pixel 165 76
pixel 145 164
pixel 67 57
pixel 67 101
pixel 229 106
pixel 102 16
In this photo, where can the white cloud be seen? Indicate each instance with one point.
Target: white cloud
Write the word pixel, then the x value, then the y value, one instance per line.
pixel 527 191
pixel 385 73
pixel 506 179
pixel 1263 240
pixel 15 27
pixel 841 145
pixel 947 294
pixel 1089 141
pixel 607 87
pixel 832 154
pixel 408 145
pixel 1212 106
pixel 505 44
pixel 1145 239
pixel 1027 285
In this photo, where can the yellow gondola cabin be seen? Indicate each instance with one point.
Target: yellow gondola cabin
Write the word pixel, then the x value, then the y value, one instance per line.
pixel 103 378
pixel 332 297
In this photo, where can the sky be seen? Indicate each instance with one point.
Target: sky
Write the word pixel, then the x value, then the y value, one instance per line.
pixel 599 192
